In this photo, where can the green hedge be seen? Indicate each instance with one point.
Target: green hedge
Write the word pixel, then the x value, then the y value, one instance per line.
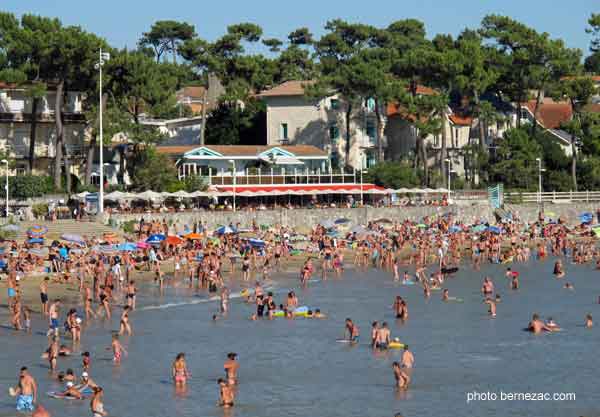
pixel 28 186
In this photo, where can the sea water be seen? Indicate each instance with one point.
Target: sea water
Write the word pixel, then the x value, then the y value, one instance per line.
pixel 296 368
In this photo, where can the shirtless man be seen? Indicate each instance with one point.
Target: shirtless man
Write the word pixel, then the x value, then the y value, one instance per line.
pixel 231 367
pixel 374 333
pixel 44 295
pixel 53 312
pixel 131 294
pixel 226 394
pixel 408 360
pixel 26 391
pixel 402 378
pixel 383 337
pixel 352 329
pixel 86 382
pixel 536 325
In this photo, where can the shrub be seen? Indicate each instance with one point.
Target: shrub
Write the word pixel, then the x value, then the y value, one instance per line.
pixel 22 187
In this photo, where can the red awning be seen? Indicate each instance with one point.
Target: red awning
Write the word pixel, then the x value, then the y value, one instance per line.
pixel 313 188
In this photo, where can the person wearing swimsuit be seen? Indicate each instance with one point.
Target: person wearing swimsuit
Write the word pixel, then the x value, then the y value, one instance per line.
pixel 96 404
pixel 179 371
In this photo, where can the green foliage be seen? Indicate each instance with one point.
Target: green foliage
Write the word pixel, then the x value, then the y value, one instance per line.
pixel 515 164
pixel 194 183
pixel 153 171
pixel 229 124
pixel 22 187
pixel 166 36
pixel 129 226
pixel 393 175
pixel 39 210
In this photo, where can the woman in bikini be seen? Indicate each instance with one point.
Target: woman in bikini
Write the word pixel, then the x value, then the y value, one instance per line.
pixel 179 371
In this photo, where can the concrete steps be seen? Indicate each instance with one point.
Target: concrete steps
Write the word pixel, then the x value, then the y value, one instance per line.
pixel 59 227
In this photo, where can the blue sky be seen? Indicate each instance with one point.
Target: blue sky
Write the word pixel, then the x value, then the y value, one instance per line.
pixel 122 21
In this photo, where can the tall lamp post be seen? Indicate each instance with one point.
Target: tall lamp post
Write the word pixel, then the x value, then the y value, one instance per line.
pixel 540 170
pixel 232 162
pixel 5 162
pixel 448 181
pixel 103 57
pixel 362 171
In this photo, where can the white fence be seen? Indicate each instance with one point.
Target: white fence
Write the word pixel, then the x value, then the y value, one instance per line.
pixel 552 197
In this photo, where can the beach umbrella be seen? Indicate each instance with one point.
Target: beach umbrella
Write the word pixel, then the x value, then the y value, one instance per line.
pixel 586 217
pixel 10 228
pixel 73 238
pixel 455 229
pixel 193 236
pixel 37 230
pixel 258 243
pixel 422 226
pixel 155 238
pixel 342 220
pixel 327 223
pixel 494 229
pixel 225 230
pixel 174 240
pixel 107 249
pixel 479 228
pixel 388 221
pixel 142 245
pixel 127 247
pixel 35 240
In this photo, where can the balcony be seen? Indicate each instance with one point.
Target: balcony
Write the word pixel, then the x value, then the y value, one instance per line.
pixel 43 150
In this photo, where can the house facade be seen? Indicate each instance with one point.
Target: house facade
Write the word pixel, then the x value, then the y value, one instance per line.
pixel 294 119
pixel 15 129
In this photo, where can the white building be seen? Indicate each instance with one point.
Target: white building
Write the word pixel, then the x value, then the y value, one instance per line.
pixel 15 128
pixel 293 119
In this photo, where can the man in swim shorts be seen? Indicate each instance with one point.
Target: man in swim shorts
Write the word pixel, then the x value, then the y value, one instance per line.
pixel 352 329
pixel 383 337
pixel 26 391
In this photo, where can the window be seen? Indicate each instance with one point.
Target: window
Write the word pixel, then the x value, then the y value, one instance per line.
pixel 334 131
pixel 21 169
pixel 283 131
pixel 371 160
pixel 371 130
pixel 334 104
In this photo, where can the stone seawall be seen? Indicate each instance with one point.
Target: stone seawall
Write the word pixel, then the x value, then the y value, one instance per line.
pixel 310 217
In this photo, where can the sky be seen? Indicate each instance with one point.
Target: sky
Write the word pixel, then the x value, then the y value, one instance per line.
pixel 121 22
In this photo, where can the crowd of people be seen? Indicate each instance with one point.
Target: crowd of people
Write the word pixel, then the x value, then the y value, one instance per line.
pixel 105 273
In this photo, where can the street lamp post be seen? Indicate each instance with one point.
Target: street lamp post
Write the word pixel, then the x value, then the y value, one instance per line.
pixel 362 171
pixel 232 162
pixel 5 162
pixel 540 170
pixel 103 57
pixel 448 181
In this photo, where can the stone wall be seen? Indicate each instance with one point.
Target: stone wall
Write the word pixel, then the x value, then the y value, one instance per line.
pixel 310 217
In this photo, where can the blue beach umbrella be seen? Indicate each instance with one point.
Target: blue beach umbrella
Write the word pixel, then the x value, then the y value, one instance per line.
pixel 34 240
pixel 127 247
pixel 257 243
pixel 37 230
pixel 586 217
pixel 455 229
pixel 225 230
pixel 156 238
pixel 494 229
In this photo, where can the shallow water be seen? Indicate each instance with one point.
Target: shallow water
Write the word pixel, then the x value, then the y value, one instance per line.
pixel 295 367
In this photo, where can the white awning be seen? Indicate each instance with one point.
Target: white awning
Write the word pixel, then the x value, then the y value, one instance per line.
pixel 282 160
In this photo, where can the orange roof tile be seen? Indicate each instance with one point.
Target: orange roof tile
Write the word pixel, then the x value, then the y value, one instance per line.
pixel 551 113
pixel 461 120
pixel 193 92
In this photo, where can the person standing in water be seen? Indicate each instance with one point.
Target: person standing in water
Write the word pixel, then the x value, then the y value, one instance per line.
pixel 408 359
pixel 402 378
pixel 353 332
pixel 96 404
pixel 125 325
pixel 26 391
pixel 117 349
pixel 226 394
pixel 179 371
pixel 231 367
